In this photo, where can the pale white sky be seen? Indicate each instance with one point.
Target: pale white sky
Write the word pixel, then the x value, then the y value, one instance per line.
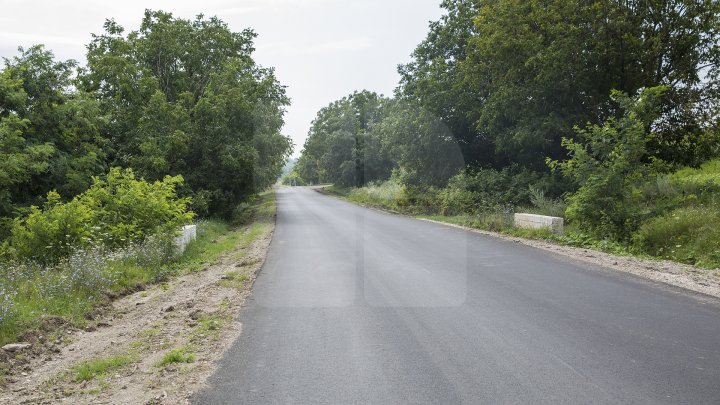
pixel 321 49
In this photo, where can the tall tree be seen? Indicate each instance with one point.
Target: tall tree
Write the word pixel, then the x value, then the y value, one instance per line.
pixel 342 146
pixel 186 97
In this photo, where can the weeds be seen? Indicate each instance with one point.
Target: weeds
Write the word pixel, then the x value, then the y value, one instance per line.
pixel 181 355
pixel 76 284
pixel 233 279
pixel 98 368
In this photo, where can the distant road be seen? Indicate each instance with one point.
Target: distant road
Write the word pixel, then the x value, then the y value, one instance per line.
pixel 358 306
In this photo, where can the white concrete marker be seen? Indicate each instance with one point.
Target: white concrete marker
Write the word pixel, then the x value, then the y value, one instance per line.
pixel 539 221
pixel 188 233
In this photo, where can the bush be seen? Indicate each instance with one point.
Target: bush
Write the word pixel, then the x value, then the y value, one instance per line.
pixel 609 162
pixel 114 212
pixel 489 190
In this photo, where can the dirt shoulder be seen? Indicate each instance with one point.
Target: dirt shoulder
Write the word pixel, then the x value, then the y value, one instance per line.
pixel 153 347
pixel 704 281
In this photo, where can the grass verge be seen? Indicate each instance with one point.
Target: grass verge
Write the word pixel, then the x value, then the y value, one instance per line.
pixel 492 222
pixel 34 299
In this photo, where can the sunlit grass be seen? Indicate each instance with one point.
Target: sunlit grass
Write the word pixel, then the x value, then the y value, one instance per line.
pixel 181 355
pixel 98 368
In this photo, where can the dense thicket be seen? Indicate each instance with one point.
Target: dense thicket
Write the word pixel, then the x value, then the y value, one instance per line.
pixel 511 78
pixel 176 97
pixel 50 137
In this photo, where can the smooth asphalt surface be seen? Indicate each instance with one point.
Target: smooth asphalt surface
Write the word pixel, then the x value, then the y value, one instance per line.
pixel 356 306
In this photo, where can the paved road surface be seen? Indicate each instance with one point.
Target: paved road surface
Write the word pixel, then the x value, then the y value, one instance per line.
pixel 357 306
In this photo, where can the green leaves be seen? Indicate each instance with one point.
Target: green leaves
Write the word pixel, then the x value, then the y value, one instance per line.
pixel 607 162
pixel 185 97
pixel 116 210
pixel 343 145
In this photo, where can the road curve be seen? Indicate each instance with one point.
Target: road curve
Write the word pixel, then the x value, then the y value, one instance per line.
pixel 359 306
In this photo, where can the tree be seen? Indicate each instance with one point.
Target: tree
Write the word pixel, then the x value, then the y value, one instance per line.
pixel 185 97
pixel 342 146
pixel 49 132
pixel 541 66
pixel 434 81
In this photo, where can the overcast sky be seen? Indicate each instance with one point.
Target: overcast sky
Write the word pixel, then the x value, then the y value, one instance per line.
pixel 321 49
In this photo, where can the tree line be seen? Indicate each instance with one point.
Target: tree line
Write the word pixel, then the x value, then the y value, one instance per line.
pixel 581 102
pixel 175 97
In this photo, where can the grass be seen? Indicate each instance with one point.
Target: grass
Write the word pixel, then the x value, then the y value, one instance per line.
pixel 180 355
pixel 209 326
pixel 233 279
pixel 30 293
pixel 99 368
pixel 492 221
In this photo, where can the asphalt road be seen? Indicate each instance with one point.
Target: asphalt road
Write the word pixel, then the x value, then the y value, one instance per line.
pixel 358 306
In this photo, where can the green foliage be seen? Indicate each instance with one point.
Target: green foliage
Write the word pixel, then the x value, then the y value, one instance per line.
pixel 49 134
pixel 685 228
pixel 485 190
pixel 98 368
pixel 114 212
pixel 342 147
pixel 421 145
pixel 185 97
pixel 609 162
pixel 292 179
pixel 688 235
pixel 541 67
pixel 176 356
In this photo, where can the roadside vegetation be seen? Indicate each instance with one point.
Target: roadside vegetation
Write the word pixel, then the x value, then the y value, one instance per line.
pixel 72 288
pixel 600 112
pixel 101 165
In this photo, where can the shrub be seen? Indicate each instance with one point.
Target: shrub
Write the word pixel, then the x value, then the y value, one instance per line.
pixel 52 233
pixel 488 190
pixel 609 161
pixel 114 212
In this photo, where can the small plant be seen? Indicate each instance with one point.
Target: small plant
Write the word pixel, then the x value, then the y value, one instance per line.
pixel 180 355
pixel 98 368
pixel 209 326
pixel 545 205
pixel 233 279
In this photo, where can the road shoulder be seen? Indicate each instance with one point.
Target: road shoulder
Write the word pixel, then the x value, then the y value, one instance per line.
pixel 156 346
pixel 695 279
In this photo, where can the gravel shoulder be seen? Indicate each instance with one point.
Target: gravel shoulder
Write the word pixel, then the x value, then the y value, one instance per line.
pixel 193 316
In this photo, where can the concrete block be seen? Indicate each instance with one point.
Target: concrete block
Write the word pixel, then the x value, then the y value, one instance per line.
pixel 539 221
pixel 188 233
